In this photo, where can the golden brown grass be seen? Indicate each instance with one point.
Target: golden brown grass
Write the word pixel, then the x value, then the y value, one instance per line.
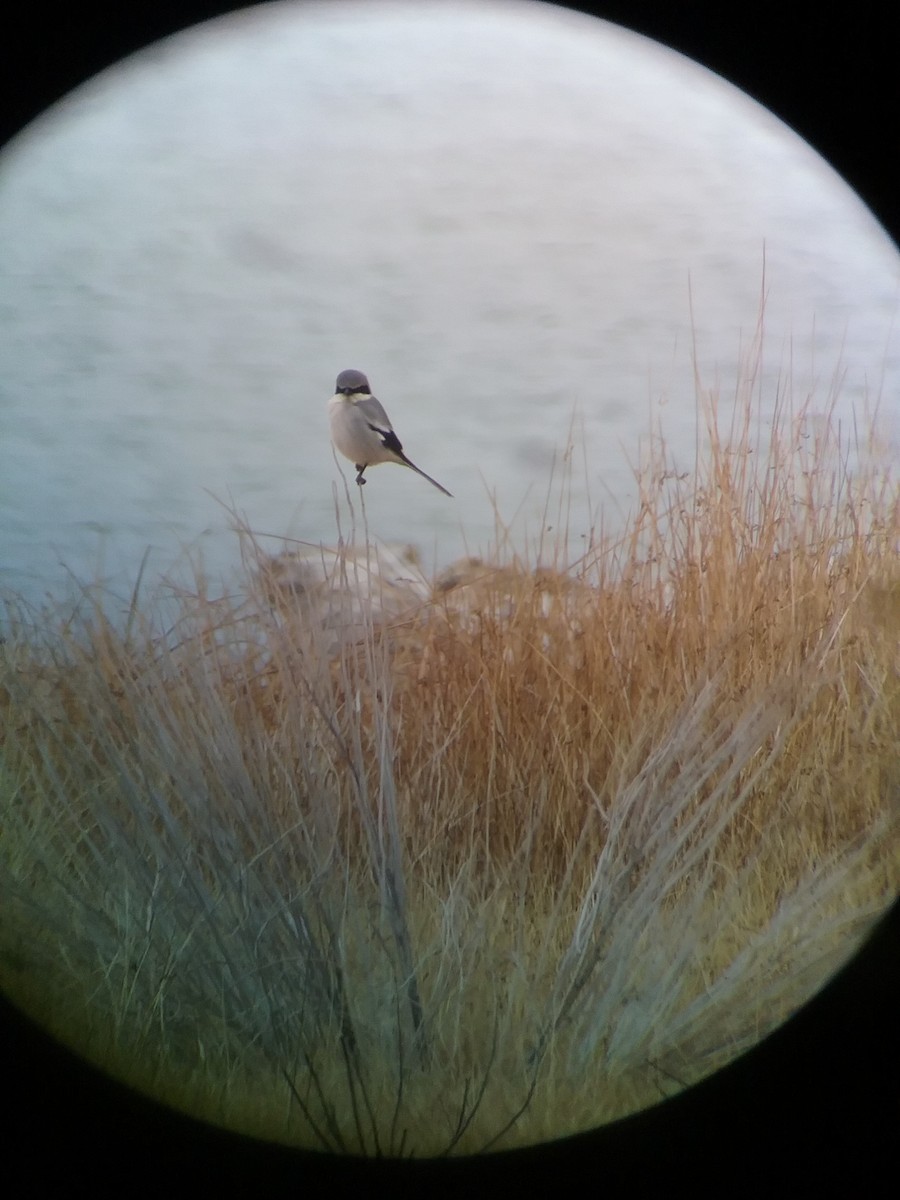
pixel 522 859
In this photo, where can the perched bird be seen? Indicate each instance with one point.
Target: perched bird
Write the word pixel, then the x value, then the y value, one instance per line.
pixel 361 429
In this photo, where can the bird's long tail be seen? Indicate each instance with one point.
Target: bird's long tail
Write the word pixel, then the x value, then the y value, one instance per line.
pixel 419 471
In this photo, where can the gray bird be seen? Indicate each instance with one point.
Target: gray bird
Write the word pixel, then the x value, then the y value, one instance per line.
pixel 361 429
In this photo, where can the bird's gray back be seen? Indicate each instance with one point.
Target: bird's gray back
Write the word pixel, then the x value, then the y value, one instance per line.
pixel 371 408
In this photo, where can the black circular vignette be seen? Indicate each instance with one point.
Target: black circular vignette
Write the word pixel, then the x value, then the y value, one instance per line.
pixel 816 1103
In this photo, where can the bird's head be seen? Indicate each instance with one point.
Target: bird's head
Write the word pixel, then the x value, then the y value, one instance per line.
pixel 351 382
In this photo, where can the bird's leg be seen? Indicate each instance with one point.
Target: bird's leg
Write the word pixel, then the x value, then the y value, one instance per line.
pixel 360 467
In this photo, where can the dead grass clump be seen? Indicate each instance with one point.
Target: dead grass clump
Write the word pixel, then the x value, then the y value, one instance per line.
pixel 350 849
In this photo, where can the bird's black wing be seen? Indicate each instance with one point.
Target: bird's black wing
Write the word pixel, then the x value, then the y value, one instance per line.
pixel 379 422
pixel 389 439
